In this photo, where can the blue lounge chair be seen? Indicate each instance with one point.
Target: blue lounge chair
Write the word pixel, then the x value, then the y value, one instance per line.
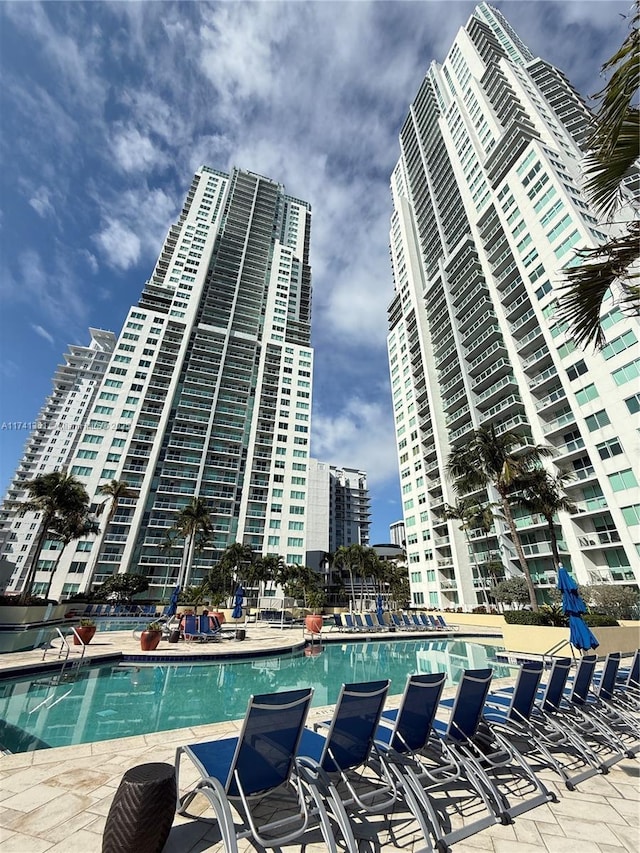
pixel 398 622
pixel 444 625
pixel 359 622
pixel 627 687
pixel 407 622
pixel 498 766
pixel 348 621
pixel 379 624
pixel 370 624
pixel 426 768
pixel 343 767
pixel 209 630
pixel 559 701
pixel 599 704
pixel 338 625
pixel 537 734
pixel 191 628
pixel 256 768
pixel 435 625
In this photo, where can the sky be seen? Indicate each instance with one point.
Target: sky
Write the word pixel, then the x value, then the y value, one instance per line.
pixel 106 111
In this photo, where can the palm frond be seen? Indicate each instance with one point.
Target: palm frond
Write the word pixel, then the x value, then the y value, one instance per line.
pixel 610 161
pixel 587 285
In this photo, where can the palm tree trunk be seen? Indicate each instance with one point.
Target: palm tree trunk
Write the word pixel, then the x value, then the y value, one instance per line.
pixel 185 563
pixel 506 508
pixel 54 569
pixel 93 563
pixel 554 542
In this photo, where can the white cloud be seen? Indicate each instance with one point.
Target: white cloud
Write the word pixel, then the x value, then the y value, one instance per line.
pixel 359 435
pixel 41 202
pixel 40 330
pixel 135 152
pixel 120 246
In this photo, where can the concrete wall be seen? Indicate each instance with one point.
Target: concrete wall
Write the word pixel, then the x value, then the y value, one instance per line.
pixel 538 640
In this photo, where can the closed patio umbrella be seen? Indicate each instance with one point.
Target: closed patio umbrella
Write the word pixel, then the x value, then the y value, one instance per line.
pixel 237 603
pixel 580 635
pixel 173 602
pixel 379 608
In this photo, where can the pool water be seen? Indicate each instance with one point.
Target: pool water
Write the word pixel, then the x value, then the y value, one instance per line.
pixel 106 702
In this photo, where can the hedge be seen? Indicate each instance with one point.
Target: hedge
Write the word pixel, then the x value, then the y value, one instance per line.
pixel 538 617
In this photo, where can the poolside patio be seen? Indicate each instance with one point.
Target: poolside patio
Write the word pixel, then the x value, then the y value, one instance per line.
pixel 57 800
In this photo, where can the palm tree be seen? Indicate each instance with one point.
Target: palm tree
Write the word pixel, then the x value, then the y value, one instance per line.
pixel 470 514
pixel 614 149
pixel 263 569
pixel 235 563
pixel 57 496
pixel 353 558
pixel 115 491
pixel 544 494
pixel 67 530
pixel 497 459
pixel 193 524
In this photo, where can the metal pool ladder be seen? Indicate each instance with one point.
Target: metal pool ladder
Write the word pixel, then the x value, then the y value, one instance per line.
pixel 64 648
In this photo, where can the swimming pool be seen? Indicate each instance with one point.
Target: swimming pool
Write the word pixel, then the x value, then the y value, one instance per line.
pixel 106 702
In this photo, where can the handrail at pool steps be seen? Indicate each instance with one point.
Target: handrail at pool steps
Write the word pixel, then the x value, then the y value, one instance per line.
pixel 66 648
pixel 555 649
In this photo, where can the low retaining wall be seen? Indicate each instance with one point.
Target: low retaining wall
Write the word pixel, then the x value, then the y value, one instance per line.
pixel 537 639
pixel 15 614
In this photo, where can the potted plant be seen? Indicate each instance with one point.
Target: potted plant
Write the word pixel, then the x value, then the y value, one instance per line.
pixel 84 632
pixel 150 637
pixel 313 621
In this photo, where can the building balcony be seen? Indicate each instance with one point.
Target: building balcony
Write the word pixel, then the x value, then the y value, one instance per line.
pixel 596 540
pixel 558 423
pixel 457 434
pixel 568 449
pixel 544 377
pixel 496 389
pixel 508 403
pixel 587 473
pixel 551 399
pixel 484 340
pixel 529 341
pixel 457 415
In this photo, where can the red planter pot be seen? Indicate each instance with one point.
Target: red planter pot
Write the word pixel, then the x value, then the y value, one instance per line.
pixel 85 633
pixel 313 624
pixel 149 640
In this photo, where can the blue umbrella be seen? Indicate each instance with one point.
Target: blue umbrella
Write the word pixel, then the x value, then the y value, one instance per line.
pixel 379 608
pixel 173 602
pixel 580 635
pixel 237 603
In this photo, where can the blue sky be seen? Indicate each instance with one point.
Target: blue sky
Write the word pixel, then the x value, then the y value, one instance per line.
pixel 106 111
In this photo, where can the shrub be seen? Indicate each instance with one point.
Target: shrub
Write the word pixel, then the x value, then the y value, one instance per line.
pixel 595 620
pixel 550 617
pixel 525 617
pixel 479 609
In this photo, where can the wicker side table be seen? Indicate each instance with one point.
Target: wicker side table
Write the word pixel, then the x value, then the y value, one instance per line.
pixel 142 811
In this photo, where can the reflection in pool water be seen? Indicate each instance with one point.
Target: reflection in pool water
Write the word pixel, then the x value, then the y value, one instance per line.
pixel 117 701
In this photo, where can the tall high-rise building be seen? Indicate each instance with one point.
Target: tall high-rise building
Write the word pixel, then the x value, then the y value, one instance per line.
pixel 208 391
pixel 53 441
pixel 338 510
pixel 488 212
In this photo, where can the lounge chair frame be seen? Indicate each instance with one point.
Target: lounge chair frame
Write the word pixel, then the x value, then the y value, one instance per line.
pixel 243 771
pixel 334 765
